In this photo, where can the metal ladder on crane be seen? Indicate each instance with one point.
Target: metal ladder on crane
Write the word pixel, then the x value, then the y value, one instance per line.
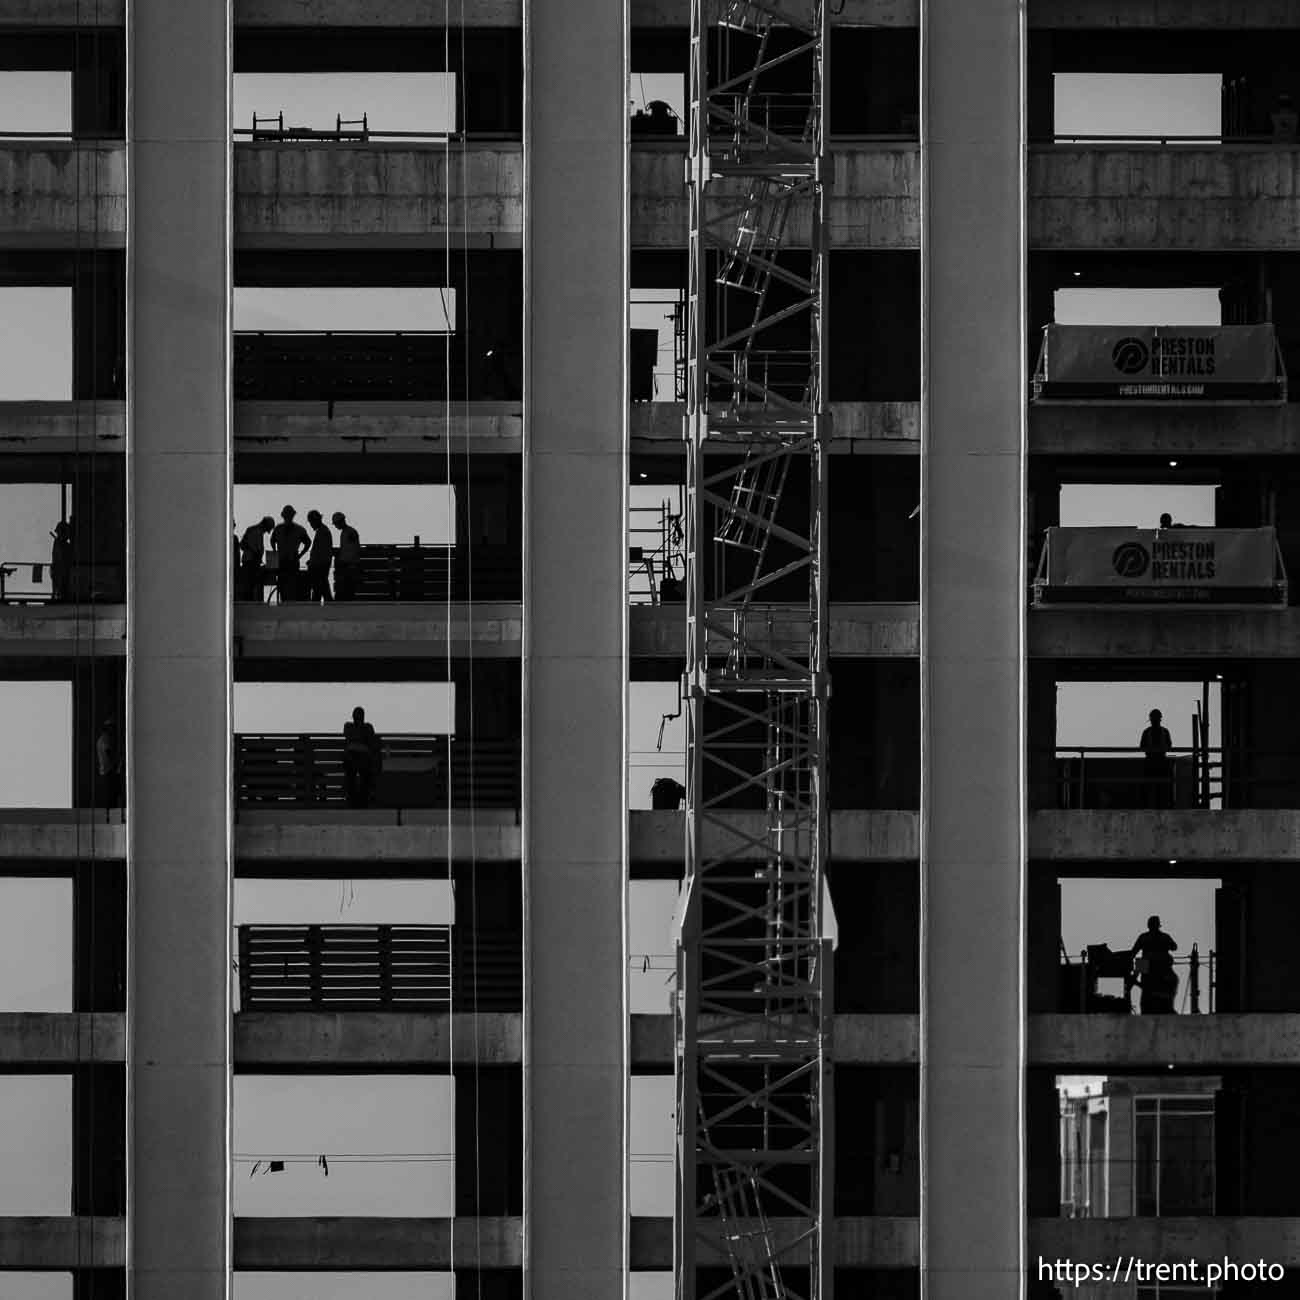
pixel 753 1005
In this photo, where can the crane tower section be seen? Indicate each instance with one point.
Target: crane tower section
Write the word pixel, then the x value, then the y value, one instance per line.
pixel 753 1003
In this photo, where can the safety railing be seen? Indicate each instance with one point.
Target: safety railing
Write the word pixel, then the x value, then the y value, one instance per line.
pixel 1193 985
pixel 1118 776
pixel 31 582
pixel 287 771
pixel 328 365
pixel 656 554
pixel 1213 777
pixel 345 967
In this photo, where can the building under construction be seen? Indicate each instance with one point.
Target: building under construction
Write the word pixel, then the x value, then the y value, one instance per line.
pixel 764 373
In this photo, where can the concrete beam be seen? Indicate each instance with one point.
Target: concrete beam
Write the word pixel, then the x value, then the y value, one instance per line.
pixel 860 428
pixel 63 631
pixel 1196 835
pixel 367 839
pixel 1121 1042
pixel 866 631
pixel 317 428
pixel 61 1038
pixel 859 1040
pixel 1209 429
pixel 370 13
pixel 1131 633
pixel 60 835
pixel 484 630
pixel 877 1242
pixel 1227 198
pixel 373 192
pixel 1164 14
pixel 1165 1240
pixel 860 837
pixel 340 1244
pixel 875 202
pixel 48 1244
pixel 58 427
pixel 388 1039
pixel 62 13
pixel 62 194
pixel 504 13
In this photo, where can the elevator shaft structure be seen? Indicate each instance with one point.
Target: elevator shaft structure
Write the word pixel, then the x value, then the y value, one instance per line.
pixel 753 1004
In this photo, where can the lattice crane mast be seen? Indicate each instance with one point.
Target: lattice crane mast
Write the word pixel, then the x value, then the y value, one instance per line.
pixel 752 1012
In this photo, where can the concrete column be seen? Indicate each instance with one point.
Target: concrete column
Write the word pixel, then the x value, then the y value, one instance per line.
pixel 575 620
pixel 178 740
pixel 972 595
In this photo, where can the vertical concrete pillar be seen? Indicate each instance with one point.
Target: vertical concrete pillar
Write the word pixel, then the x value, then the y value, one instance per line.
pixel 575 559
pixel 972 594
pixel 178 744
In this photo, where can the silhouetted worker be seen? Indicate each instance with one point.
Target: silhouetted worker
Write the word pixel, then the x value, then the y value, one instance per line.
pixel 319 559
pixel 1166 521
pixel 290 543
pixel 251 553
pixel 108 768
pixel 1156 773
pixel 61 563
pixel 361 759
pixel 1154 951
pixel 347 559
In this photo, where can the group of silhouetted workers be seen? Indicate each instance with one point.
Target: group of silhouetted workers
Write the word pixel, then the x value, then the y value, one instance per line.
pixel 290 544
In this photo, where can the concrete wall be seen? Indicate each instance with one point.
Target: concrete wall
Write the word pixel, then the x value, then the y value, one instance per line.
pixel 1267 835
pixel 61 192
pixel 973 265
pixel 177 742
pixel 575 487
pixel 1166 634
pixel 1225 198
pixel 350 191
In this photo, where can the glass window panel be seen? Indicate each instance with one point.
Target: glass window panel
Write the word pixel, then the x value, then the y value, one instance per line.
pixel 35 343
pixel 351 310
pixel 392 102
pixel 345 1286
pixel 36 763
pixel 1139 104
pixel 387 1141
pixel 382 513
pixel 35 943
pixel 35 102
pixel 653 1143
pixel 36 1144
pixel 315 708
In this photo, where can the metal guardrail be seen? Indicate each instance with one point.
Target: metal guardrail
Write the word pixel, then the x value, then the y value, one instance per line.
pixel 329 365
pixel 345 967
pixel 1099 962
pixel 28 582
pixel 285 770
pixel 379 968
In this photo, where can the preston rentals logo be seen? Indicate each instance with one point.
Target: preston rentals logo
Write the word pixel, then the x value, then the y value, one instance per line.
pixel 1130 356
pixel 1130 560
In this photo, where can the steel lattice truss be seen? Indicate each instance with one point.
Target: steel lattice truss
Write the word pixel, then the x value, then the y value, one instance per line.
pixel 753 1001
